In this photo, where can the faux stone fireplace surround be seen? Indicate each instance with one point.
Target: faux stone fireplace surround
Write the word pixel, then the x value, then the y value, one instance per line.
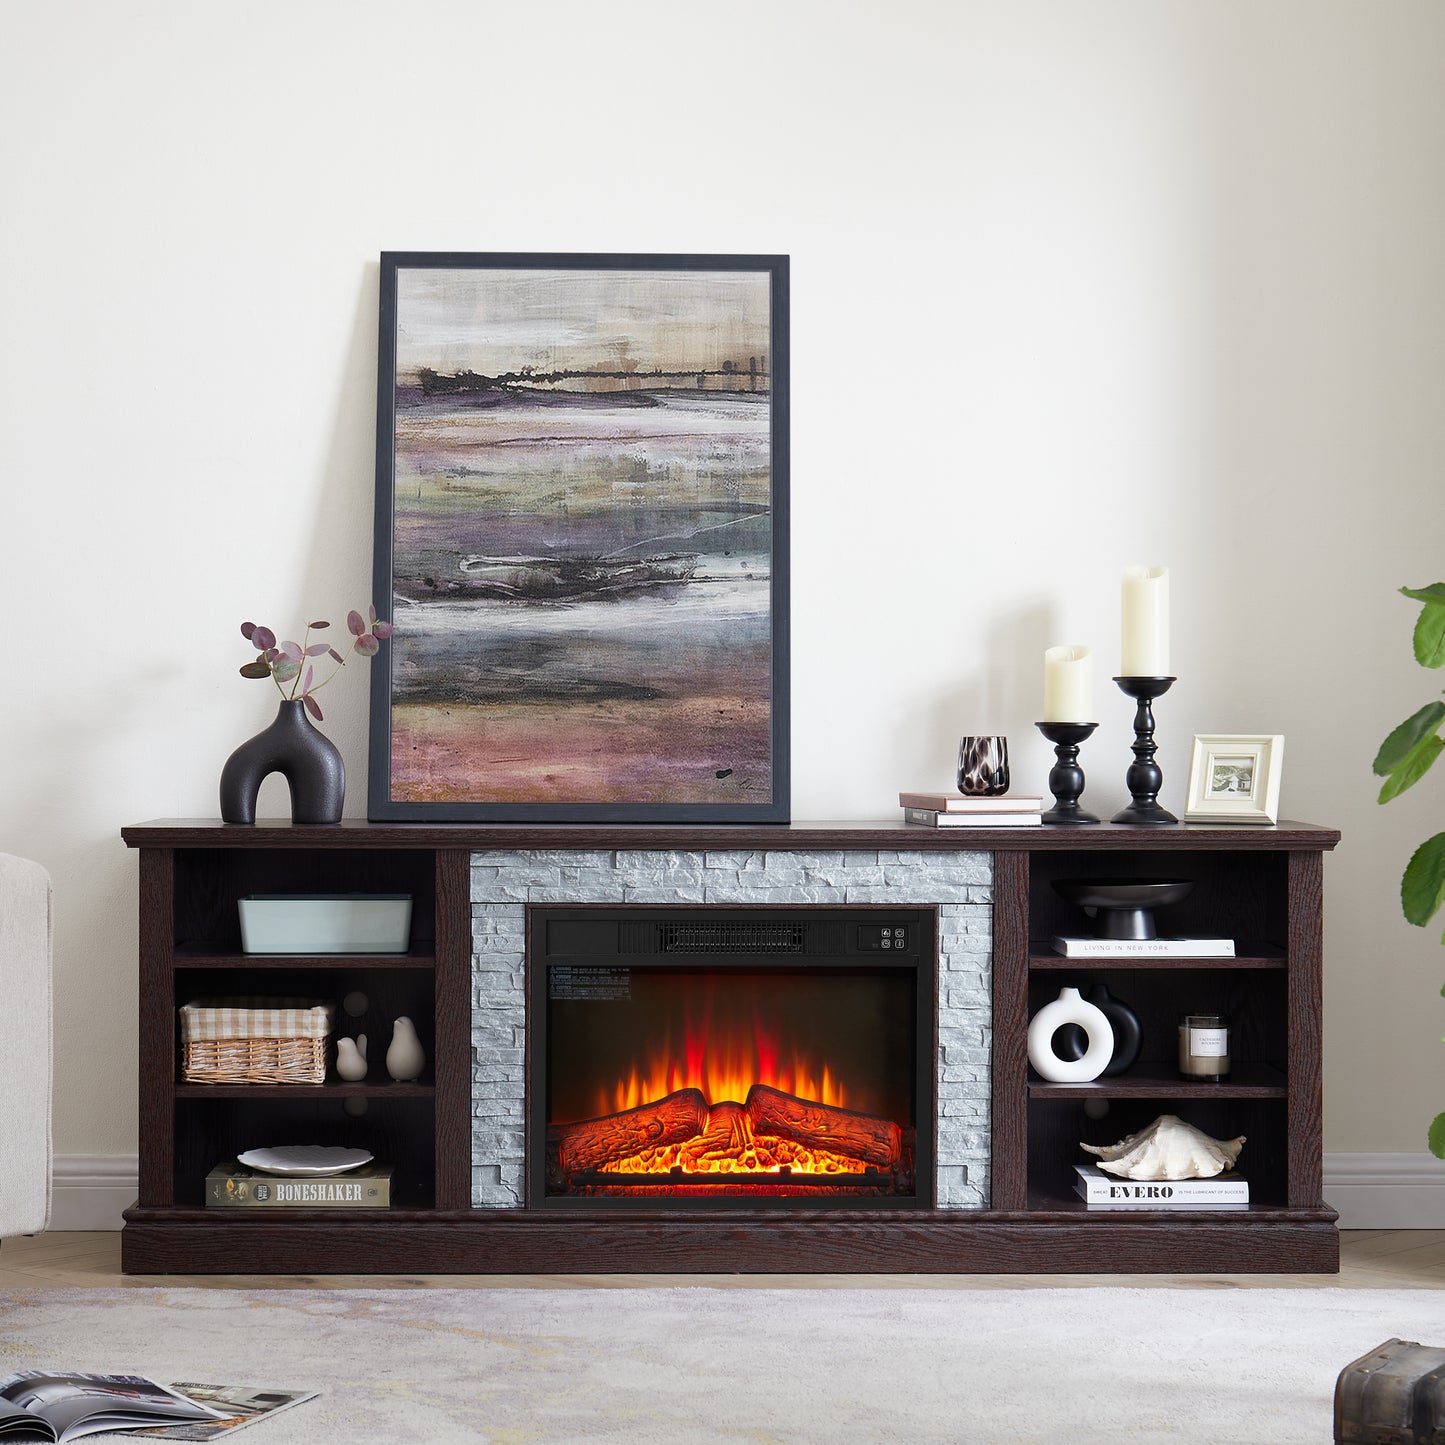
pixel 504 882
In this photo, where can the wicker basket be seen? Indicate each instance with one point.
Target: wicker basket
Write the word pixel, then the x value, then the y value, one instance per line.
pixel 254 1041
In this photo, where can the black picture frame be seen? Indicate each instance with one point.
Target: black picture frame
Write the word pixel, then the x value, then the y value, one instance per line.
pixel 537 482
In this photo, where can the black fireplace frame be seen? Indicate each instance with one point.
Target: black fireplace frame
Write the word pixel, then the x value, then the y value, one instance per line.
pixel 918 959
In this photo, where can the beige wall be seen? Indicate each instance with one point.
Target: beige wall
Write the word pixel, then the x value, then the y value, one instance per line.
pixel 1156 282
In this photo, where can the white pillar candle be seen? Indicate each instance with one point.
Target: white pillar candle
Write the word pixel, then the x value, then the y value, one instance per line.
pixel 1068 684
pixel 1144 649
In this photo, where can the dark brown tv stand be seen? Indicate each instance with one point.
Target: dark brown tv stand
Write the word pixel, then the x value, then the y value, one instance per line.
pixel 1262 886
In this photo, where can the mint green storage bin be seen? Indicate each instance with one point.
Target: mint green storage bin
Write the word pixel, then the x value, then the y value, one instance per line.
pixel 325 922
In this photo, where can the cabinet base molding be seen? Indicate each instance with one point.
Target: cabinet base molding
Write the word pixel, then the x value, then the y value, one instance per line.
pixel 173 1241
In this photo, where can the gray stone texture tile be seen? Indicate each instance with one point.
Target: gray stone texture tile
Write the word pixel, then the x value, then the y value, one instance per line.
pixel 503 881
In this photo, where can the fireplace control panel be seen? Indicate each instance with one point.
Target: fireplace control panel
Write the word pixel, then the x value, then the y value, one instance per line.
pixel 874 937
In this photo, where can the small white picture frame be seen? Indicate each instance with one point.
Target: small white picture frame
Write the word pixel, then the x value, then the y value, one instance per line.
pixel 1234 778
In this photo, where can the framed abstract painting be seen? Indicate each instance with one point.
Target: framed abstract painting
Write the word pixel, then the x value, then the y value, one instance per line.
pixel 582 535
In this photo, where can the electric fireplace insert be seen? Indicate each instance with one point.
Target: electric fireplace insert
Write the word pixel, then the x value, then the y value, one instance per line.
pixel 737 1057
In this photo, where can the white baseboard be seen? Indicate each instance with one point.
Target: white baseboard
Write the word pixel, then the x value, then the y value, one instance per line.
pixel 89 1191
pixel 1371 1191
pixel 1386 1191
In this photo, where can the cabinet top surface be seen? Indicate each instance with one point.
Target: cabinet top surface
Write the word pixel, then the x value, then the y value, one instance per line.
pixel 888 833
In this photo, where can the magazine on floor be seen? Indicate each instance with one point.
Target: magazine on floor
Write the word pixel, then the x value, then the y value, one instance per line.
pixel 49 1405
pixel 239 1405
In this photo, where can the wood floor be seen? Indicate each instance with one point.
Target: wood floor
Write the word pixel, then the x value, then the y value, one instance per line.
pixel 1369 1259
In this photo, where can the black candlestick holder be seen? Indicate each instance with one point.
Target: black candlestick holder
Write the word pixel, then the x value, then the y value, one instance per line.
pixel 1144 779
pixel 1066 777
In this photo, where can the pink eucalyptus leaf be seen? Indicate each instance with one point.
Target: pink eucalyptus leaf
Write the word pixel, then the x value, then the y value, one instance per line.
pixel 309 678
pixel 270 654
pixel 317 626
pixel 367 645
pixel 354 622
pixel 312 706
pixel 264 638
pixel 255 669
pixel 371 614
pixel 292 650
pixel 247 628
pixel 381 630
pixel 316 649
pixel 337 656
pixel 285 668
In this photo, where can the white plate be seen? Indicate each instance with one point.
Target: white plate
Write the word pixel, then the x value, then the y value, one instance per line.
pixel 312 1160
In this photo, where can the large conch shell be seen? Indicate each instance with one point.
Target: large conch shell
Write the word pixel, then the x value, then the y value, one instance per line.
pixel 1168 1149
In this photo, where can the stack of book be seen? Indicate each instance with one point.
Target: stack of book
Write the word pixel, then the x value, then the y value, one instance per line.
pixel 1103 1191
pixel 954 810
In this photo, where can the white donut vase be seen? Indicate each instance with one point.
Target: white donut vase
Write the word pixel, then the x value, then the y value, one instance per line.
pixel 1070 1008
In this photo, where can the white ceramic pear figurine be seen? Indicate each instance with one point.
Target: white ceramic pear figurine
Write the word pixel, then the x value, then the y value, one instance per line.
pixel 351 1058
pixel 404 1059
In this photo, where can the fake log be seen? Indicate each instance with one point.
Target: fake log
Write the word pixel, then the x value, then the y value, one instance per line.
pixel 728 1134
pixel 591 1143
pixel 820 1126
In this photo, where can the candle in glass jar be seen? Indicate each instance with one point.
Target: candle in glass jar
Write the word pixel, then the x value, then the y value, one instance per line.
pixel 1144 640
pixel 1204 1046
pixel 1068 684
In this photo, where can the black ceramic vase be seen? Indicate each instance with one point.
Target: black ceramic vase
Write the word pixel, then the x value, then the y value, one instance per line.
pixel 306 758
pixel 1071 1041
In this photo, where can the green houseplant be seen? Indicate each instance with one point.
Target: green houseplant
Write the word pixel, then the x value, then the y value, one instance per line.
pixel 1404 758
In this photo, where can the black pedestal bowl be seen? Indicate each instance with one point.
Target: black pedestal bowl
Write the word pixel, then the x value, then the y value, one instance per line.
pixel 1123 906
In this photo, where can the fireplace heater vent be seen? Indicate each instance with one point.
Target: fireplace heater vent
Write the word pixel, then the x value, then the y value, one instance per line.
pixel 722 936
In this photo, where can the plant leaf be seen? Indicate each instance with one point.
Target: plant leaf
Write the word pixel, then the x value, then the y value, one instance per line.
pixel 255 669
pixel 1412 769
pixel 1422 889
pixel 337 656
pixel 317 626
pixel 1435 592
pixel 354 622
pixel 285 668
pixel 247 628
pixel 1408 736
pixel 368 646
pixel 263 638
pixel 308 679
pixel 381 630
pixel 1430 635
pixel 316 649
pixel 312 706
pixel 371 614
pixel 292 650
pixel 1437 1136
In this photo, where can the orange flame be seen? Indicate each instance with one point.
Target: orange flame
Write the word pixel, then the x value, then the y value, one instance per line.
pixel 723 1068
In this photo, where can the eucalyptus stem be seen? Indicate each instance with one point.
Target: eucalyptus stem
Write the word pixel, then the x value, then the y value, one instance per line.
pixel 335 670
pixel 280 660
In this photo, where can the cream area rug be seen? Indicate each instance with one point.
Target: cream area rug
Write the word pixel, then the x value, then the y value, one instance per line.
pixel 756 1365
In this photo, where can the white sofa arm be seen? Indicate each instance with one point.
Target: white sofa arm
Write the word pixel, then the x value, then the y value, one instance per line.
pixel 25 1046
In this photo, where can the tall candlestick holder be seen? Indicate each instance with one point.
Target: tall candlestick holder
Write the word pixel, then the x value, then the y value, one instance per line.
pixel 1066 777
pixel 1144 778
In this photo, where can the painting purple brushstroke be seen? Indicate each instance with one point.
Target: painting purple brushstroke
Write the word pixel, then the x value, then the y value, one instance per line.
pixel 581 550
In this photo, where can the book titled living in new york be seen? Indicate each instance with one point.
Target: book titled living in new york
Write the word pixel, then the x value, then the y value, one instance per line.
pixel 1076 947
pixel 232 1185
